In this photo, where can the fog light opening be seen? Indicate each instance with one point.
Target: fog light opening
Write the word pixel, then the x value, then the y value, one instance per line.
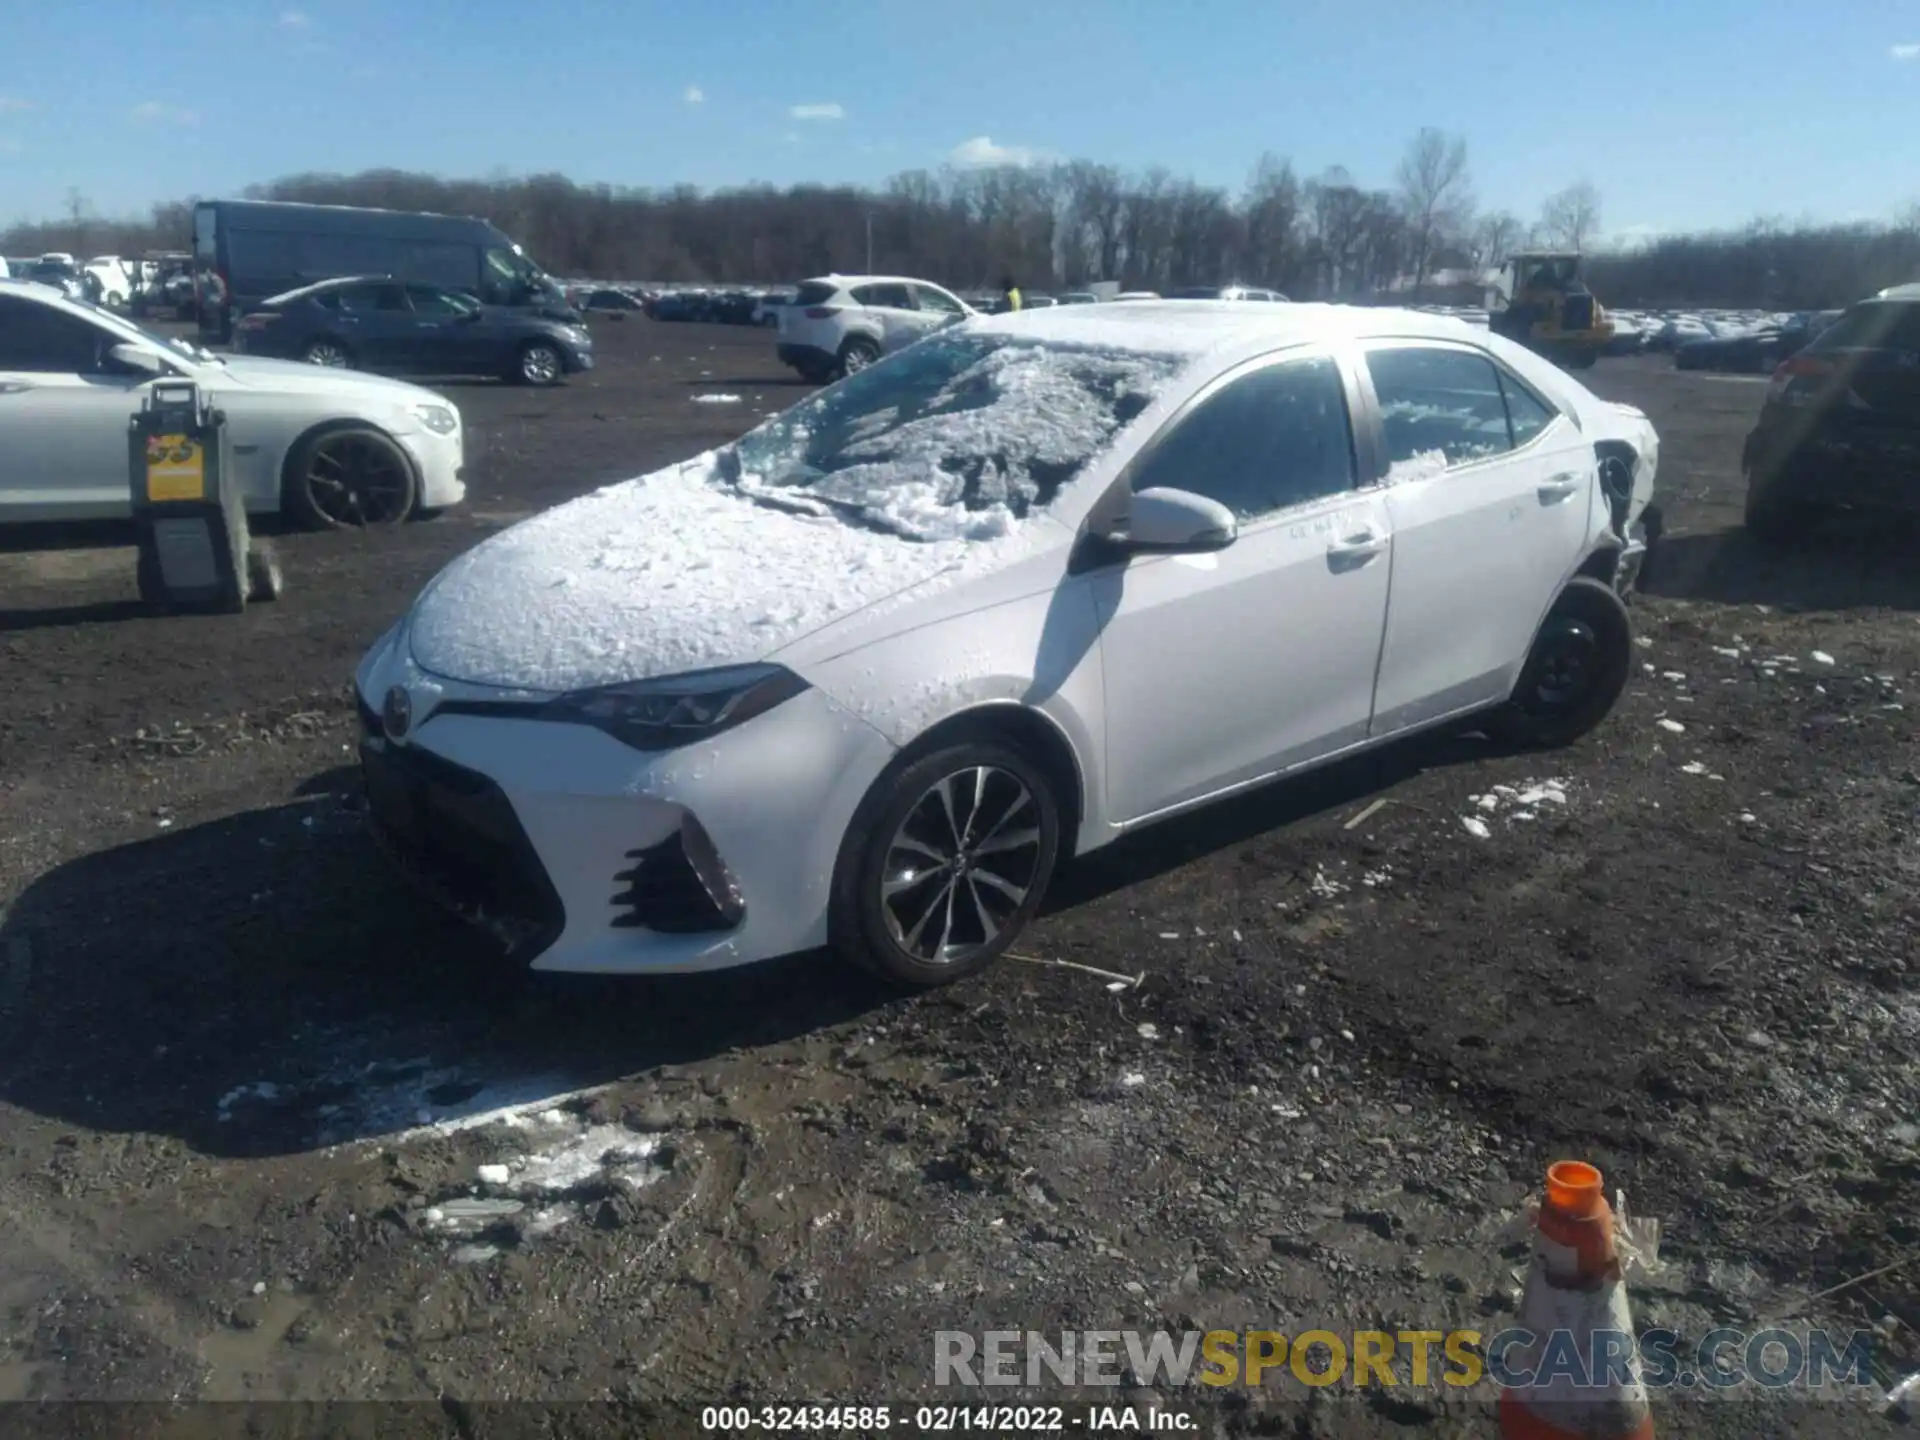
pixel 711 871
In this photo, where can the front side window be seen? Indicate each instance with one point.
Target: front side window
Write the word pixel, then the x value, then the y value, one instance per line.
pixel 1876 325
pixel 42 340
pixel 1269 440
pixel 435 304
pixel 507 277
pixel 938 300
pixel 885 297
pixel 1439 407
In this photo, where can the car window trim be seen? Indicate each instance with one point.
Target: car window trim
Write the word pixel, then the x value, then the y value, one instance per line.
pixel 1414 342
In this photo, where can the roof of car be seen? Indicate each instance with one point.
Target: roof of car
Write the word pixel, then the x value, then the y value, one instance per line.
pixel 1900 292
pixel 1192 327
pixel 869 280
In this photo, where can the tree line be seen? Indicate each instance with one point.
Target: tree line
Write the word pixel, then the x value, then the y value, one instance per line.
pixel 1060 226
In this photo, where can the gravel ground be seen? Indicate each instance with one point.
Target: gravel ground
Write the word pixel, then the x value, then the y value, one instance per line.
pixel 250 1087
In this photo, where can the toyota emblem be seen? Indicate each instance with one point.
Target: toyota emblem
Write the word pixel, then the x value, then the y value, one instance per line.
pixel 396 713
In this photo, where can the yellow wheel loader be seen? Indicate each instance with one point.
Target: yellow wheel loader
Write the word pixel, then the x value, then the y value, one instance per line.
pixel 1543 304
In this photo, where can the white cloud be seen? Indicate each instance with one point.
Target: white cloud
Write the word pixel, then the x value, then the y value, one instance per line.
pixel 153 113
pixel 11 103
pixel 295 19
pixel 1905 52
pixel 829 111
pixel 10 146
pixel 981 153
pixel 792 137
pixel 694 95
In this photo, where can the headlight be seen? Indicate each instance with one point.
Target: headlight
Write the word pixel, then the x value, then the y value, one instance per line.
pixel 676 710
pixel 440 419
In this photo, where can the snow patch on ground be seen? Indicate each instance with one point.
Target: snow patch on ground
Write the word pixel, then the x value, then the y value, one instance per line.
pixel 1515 804
pixel 716 399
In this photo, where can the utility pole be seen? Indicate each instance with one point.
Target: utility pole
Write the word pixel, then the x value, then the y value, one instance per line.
pixel 869 242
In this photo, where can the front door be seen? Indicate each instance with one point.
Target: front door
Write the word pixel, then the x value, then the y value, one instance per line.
pixel 64 416
pixel 1223 668
pixel 1490 495
pixel 890 305
pixel 451 334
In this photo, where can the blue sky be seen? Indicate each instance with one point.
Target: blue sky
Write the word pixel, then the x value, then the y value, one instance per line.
pixel 1686 113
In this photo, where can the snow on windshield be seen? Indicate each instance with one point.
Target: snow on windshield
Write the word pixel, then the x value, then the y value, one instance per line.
pixel 960 437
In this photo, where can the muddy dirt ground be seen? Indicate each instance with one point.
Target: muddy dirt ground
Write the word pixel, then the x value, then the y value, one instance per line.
pixel 248 1081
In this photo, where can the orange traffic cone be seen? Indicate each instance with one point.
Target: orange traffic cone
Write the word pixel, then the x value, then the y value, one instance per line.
pixel 1582 1328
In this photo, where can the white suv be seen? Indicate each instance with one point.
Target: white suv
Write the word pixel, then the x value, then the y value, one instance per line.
pixel 838 324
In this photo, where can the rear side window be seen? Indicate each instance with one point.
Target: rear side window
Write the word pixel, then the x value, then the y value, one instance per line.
pixel 813 293
pixel 1435 401
pixel 1877 326
pixel 1527 413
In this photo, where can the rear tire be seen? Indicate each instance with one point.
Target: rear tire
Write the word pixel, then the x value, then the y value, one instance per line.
pixel 857 354
pixel 1575 670
pixel 921 906
pixel 325 350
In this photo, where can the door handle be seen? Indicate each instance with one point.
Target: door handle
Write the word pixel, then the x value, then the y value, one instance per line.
pixel 1558 488
pixel 1363 546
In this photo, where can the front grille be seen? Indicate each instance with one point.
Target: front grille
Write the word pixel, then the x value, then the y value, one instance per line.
pixel 1576 312
pixel 454 834
pixel 664 891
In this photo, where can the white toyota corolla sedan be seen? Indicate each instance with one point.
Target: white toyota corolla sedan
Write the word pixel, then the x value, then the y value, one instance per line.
pixel 331 448
pixel 866 677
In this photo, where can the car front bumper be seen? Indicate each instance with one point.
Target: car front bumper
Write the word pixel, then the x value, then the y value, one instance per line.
pixel 440 461
pixel 580 853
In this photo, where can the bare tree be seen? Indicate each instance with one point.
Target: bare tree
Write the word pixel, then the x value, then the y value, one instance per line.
pixel 1571 217
pixel 1434 189
pixel 1493 237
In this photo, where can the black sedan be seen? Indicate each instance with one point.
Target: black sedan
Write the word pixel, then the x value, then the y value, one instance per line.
pixel 613 304
pixel 392 328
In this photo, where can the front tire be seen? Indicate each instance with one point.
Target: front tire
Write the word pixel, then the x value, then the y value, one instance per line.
pixel 945 863
pixel 539 364
pixel 1574 673
pixel 353 478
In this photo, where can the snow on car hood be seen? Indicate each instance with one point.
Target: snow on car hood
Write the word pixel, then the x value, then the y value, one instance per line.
pixel 667 573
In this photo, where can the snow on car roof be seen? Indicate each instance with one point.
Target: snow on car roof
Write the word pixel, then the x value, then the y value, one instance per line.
pixel 1197 327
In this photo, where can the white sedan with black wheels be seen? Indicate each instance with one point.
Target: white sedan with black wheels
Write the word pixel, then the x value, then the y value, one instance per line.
pixel 866 677
pixel 329 448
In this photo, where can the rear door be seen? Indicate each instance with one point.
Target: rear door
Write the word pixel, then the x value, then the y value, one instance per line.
pixel 1490 492
pixel 377 324
pixel 890 307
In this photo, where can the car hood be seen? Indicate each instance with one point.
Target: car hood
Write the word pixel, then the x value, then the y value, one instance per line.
pixel 664 574
pixel 296 376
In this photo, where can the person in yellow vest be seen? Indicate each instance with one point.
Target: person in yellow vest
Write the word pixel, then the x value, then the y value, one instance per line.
pixel 1012 301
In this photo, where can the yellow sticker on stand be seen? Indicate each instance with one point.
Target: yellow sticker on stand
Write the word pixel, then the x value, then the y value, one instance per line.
pixel 176 468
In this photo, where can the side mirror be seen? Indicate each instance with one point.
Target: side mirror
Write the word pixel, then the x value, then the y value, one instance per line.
pixel 135 360
pixel 1166 521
